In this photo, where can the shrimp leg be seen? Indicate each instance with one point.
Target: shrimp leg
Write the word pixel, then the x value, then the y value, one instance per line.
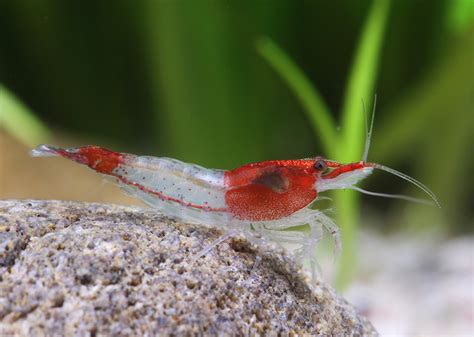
pixel 215 243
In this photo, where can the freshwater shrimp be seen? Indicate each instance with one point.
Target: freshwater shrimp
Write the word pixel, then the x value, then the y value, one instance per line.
pixel 263 200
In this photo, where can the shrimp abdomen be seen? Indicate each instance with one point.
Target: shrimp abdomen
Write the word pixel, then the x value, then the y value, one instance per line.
pixel 161 180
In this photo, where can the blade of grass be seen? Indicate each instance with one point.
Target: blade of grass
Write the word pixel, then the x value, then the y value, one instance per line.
pixel 446 118
pixel 20 121
pixel 204 92
pixel 321 119
pixel 459 14
pixel 360 86
pixel 448 79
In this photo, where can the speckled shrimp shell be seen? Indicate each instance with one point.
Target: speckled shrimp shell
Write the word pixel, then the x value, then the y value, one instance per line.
pixel 260 200
pixel 189 192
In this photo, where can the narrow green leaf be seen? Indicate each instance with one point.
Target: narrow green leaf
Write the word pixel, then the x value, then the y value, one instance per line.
pixel 20 121
pixel 360 85
pixel 203 102
pixel 312 102
pixel 348 205
pixel 413 117
pixel 459 14
pixel 359 88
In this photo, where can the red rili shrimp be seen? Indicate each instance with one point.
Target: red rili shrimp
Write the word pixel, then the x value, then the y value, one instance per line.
pixel 260 200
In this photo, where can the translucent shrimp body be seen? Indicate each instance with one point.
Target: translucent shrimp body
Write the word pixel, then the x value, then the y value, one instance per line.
pixel 189 192
pixel 261 200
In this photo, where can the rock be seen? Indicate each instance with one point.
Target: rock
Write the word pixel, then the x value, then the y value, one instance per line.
pixel 74 269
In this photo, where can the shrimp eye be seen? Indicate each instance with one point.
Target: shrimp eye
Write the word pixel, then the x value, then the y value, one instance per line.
pixel 320 165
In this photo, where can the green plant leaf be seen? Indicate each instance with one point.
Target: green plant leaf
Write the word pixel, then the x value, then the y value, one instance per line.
pixel 360 84
pixel 359 88
pixel 20 121
pixel 321 119
pixel 459 14
pixel 203 101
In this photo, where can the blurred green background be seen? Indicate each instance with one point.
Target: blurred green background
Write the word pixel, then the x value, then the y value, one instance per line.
pixel 194 80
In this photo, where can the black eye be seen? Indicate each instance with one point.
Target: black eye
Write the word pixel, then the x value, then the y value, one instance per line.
pixel 320 165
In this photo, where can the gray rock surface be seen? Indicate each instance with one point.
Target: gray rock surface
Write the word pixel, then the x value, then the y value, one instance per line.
pixel 73 269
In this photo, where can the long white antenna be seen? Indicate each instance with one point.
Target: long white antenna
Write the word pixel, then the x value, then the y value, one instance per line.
pixel 409 179
pixel 369 132
pixel 393 196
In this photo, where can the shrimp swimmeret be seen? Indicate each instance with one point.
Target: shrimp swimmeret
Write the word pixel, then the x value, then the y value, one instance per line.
pixel 260 200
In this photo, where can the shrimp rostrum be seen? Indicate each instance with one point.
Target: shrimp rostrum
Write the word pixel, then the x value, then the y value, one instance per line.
pixel 262 200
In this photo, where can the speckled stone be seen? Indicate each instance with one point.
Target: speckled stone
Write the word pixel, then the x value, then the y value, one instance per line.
pixel 74 269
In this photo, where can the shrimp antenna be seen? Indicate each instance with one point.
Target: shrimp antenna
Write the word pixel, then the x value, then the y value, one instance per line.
pixel 368 135
pixel 409 179
pixel 393 196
